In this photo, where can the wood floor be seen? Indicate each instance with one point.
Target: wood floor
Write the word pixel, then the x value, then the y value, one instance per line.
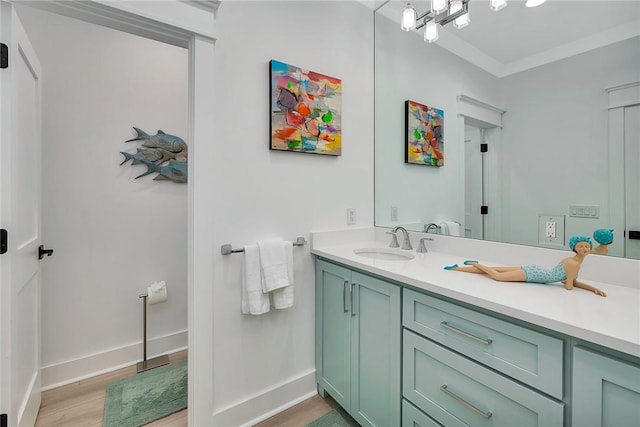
pixel 81 404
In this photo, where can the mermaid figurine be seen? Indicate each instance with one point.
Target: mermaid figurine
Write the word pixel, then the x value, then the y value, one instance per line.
pixel 566 271
pixel 604 236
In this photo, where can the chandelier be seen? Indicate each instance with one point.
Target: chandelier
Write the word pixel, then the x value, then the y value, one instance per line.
pixel 444 11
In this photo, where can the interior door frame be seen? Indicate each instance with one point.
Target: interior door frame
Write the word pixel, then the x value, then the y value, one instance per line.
pixel 195 31
pixel 619 97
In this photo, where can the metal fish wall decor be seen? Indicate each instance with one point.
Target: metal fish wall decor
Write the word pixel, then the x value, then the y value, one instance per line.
pixel 163 154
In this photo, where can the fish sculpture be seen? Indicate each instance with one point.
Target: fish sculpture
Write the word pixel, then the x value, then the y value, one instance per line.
pixel 171 143
pixel 156 151
pixel 174 171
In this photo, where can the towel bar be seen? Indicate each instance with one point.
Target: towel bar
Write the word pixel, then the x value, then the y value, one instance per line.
pixel 228 249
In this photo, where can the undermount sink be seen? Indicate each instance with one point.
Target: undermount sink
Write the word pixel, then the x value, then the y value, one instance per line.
pixel 386 254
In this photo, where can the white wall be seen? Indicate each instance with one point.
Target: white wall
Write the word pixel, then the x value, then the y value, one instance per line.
pixel 556 140
pixel 265 361
pixel 407 68
pixel 112 235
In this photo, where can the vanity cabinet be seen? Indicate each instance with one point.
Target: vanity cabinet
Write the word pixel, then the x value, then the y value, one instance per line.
pixel 606 390
pixel 394 355
pixel 358 331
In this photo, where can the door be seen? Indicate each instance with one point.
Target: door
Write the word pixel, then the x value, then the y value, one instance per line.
pixel 632 181
pixel 473 183
pixel 20 90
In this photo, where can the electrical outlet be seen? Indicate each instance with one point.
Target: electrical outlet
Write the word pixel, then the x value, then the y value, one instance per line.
pixel 551 230
pixel 394 213
pixel 351 216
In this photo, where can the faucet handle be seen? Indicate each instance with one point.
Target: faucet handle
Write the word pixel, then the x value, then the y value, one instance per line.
pixel 422 248
pixel 394 240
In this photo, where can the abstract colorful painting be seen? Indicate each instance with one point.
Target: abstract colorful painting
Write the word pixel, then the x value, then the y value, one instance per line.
pixel 424 134
pixel 306 110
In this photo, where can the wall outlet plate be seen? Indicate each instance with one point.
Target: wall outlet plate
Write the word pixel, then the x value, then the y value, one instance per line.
pixel 394 213
pixel 551 230
pixel 351 216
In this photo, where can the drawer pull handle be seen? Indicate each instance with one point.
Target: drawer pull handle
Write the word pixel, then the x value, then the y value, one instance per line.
pixel 485 415
pixel 466 334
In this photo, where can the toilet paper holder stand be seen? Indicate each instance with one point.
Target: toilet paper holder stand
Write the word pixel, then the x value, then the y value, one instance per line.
pixel 155 362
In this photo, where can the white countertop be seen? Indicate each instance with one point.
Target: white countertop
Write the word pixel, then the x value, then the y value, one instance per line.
pixel 613 322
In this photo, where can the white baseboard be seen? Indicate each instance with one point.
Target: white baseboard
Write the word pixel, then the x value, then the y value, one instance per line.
pixel 59 374
pixel 261 406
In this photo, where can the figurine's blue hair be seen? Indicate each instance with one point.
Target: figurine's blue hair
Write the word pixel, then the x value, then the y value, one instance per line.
pixel 604 236
pixel 576 239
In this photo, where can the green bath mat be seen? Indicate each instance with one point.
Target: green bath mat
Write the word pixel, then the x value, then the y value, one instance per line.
pixel 147 396
pixel 334 418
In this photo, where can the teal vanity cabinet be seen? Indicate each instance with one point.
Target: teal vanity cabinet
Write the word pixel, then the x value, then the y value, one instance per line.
pixel 606 390
pixel 358 343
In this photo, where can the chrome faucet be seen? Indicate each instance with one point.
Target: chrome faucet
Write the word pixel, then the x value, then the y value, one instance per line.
pixel 429 226
pixel 406 242
pixel 422 248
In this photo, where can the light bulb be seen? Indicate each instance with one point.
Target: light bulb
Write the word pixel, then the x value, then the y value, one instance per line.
pixel 461 21
pixel 496 5
pixel 431 31
pixel 438 6
pixel 534 3
pixel 408 19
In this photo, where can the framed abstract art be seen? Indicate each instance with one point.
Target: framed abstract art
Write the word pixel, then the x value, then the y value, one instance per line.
pixel 424 134
pixel 306 110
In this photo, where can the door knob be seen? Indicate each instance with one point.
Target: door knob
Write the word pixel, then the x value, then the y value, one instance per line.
pixel 42 252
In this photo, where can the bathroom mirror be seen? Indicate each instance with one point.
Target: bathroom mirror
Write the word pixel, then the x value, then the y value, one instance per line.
pixel 542 98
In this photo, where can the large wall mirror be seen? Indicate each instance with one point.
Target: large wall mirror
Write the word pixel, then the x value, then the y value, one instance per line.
pixel 552 92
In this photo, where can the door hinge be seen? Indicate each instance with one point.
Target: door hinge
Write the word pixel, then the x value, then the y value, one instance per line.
pixel 4 56
pixel 484 210
pixel 3 242
pixel 484 148
pixel 4 421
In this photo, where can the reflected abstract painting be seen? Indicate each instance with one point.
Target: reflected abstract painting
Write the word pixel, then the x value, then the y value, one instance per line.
pixel 306 110
pixel 424 135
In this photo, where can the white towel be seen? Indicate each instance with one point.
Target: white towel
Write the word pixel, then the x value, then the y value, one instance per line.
pixel 254 301
pixel 283 297
pixel 450 228
pixel 273 263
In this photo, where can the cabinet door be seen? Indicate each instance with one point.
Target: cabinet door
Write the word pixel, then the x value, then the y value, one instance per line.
pixel 333 331
pixel 375 352
pixel 606 391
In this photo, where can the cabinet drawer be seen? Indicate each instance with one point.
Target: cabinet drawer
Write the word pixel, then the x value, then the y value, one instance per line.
pixel 528 356
pixel 413 417
pixel 455 391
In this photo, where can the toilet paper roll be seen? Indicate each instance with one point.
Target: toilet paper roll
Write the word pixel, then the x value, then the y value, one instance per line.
pixel 157 293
